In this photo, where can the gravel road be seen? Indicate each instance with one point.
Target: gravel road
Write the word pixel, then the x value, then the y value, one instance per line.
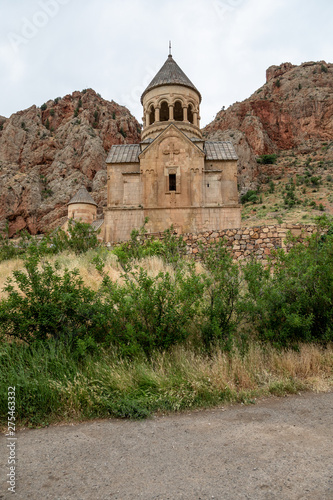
pixel 280 448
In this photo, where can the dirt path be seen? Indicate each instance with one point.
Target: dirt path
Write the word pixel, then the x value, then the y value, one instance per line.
pixel 278 449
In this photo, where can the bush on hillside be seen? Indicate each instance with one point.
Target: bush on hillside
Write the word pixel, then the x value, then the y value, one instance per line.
pixel 79 238
pixel 251 196
pixel 267 159
pixel 43 303
pixel 294 303
pixel 172 248
pixel 149 313
pixel 222 284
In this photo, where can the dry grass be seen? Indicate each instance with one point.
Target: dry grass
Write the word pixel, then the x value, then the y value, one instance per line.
pixel 6 270
pixel 259 370
pixel 87 269
pixel 182 379
pixel 311 368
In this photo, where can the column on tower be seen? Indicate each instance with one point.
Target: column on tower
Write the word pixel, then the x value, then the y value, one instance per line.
pixel 171 115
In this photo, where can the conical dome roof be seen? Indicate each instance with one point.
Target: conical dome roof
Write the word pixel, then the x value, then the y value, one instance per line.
pixel 170 74
pixel 82 196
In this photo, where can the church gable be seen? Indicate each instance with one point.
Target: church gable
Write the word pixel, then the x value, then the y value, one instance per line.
pixel 171 168
pixel 171 132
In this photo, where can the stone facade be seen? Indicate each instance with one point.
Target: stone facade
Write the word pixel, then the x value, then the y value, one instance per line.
pixel 173 177
pixel 83 212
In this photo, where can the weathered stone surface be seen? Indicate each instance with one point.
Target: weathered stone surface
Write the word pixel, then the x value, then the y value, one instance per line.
pixel 241 248
pixel 46 155
pixel 294 109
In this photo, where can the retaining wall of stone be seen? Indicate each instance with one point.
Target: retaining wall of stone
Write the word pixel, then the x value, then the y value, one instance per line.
pixel 245 242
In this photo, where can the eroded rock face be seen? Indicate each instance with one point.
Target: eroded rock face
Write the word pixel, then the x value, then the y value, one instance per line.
pixel 47 154
pixel 292 110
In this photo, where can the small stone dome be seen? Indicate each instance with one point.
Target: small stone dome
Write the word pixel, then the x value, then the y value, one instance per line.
pixel 82 207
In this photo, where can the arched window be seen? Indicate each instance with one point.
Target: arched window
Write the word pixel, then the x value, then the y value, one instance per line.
pixel 190 113
pixel 151 115
pixel 178 111
pixel 164 116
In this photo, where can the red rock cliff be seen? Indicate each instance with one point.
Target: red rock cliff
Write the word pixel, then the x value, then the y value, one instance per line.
pixel 47 153
pixel 292 110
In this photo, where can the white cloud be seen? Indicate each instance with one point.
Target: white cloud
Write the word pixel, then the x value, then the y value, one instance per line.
pixel 116 47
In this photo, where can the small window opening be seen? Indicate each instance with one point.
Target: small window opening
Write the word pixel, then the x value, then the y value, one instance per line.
pixel 178 112
pixel 152 115
pixel 164 117
pixel 172 182
pixel 190 114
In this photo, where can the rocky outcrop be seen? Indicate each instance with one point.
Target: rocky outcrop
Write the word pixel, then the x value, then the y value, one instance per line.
pixel 292 110
pixel 47 153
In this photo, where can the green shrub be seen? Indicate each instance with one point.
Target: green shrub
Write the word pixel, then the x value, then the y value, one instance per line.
pixel 315 180
pixel 268 159
pixel 222 284
pixel 43 107
pixel 251 196
pixel 44 304
pixel 293 304
pixel 290 198
pixel 80 238
pixel 172 248
pixel 10 249
pixel 152 313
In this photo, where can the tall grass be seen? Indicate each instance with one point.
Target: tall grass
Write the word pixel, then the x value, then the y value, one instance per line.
pixel 55 382
pixel 53 386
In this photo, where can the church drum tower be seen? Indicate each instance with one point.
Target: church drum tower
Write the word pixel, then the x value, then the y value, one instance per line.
pixel 173 176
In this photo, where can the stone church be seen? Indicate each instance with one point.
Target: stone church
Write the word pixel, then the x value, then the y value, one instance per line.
pixel 173 177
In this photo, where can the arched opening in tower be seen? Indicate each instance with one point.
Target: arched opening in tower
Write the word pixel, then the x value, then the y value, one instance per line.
pixel 164 116
pixel 190 113
pixel 178 111
pixel 152 115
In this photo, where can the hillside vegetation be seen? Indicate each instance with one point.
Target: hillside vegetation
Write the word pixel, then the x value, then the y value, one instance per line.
pixel 143 329
pixel 292 189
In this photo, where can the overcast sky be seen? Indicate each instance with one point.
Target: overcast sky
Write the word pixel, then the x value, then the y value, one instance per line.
pixel 49 48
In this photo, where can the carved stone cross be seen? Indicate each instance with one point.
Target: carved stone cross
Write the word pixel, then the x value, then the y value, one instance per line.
pixel 171 150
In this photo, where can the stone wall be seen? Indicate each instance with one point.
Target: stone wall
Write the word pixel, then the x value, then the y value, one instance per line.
pixel 245 242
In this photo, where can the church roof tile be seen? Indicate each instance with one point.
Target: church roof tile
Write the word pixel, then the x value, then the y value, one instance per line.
pixel 97 224
pixel 82 196
pixel 220 150
pixel 170 74
pixel 124 153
